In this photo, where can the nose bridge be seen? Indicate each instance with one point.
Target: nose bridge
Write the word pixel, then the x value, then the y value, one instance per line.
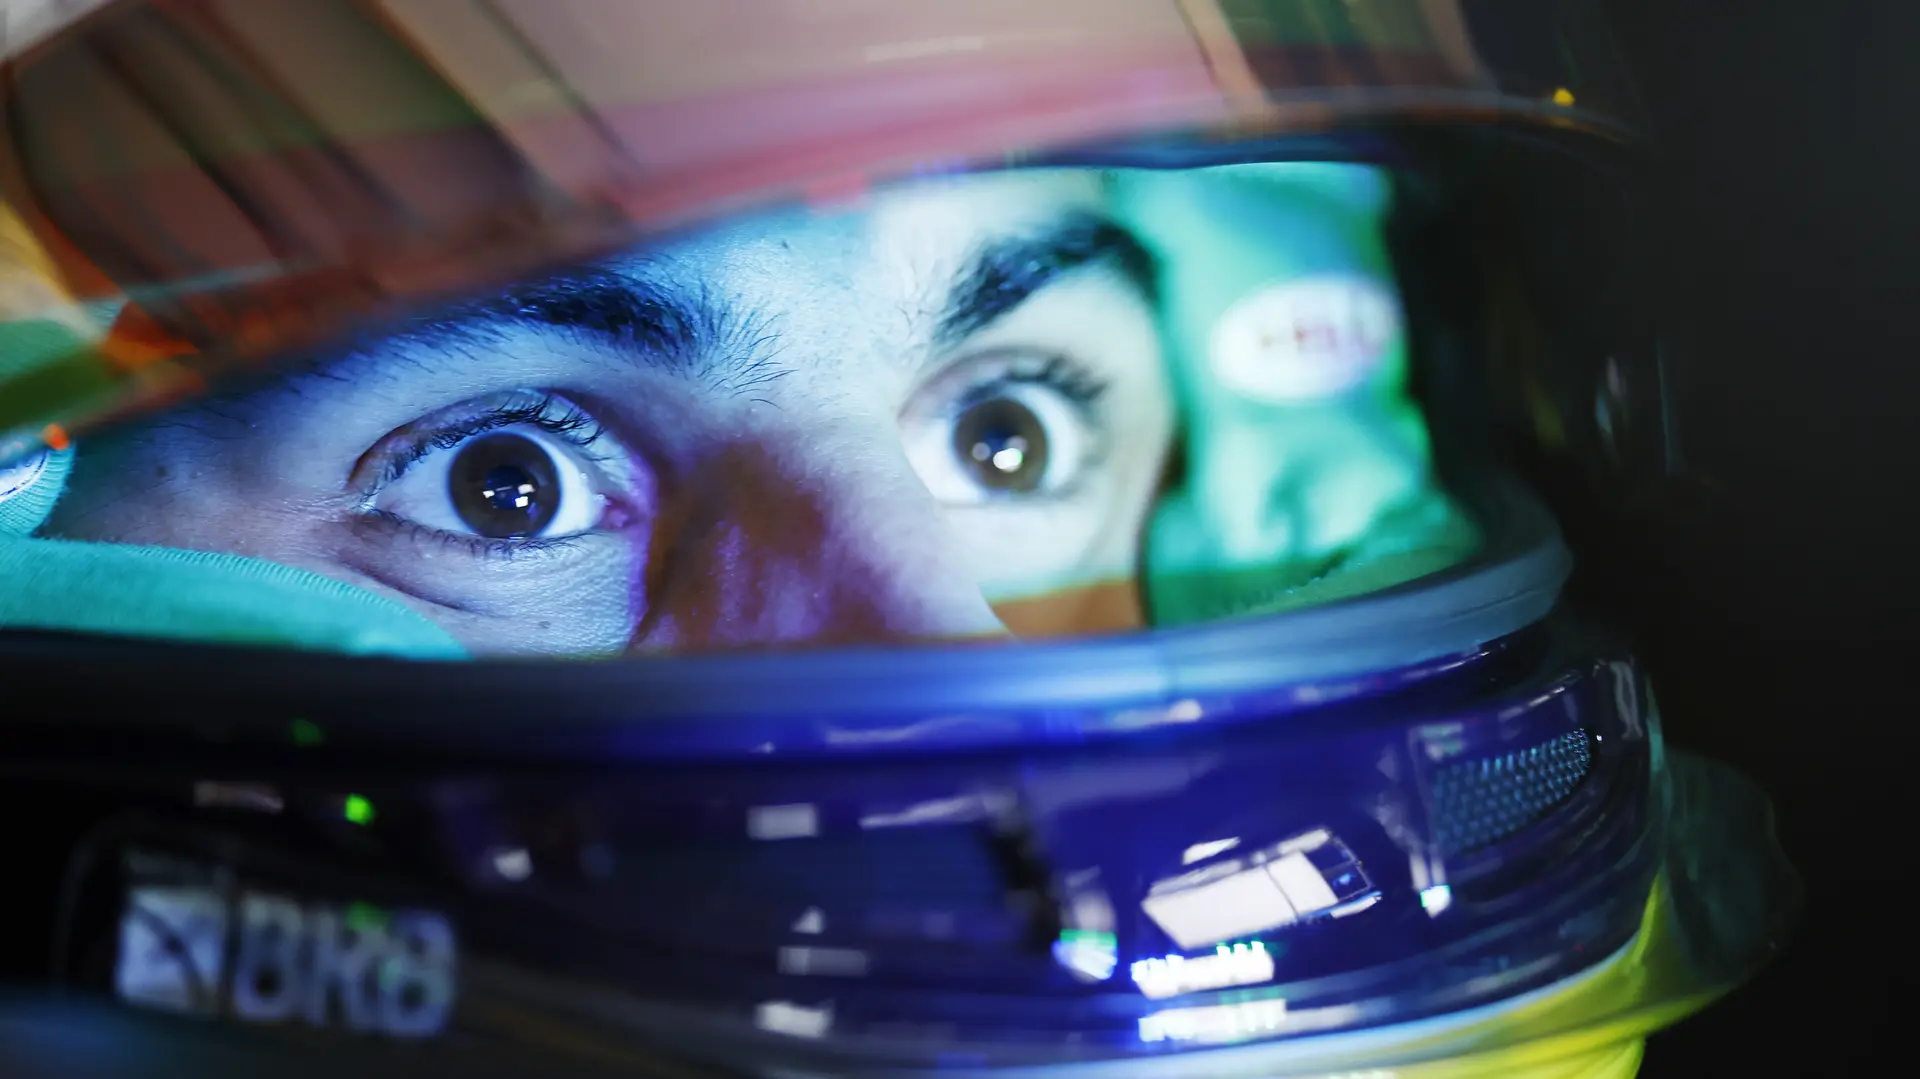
pixel 825 539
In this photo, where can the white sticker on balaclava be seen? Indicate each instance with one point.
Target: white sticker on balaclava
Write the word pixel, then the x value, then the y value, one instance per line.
pixel 1310 338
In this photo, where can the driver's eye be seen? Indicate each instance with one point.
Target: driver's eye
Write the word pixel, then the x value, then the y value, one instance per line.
pixel 1004 425
pixel 526 468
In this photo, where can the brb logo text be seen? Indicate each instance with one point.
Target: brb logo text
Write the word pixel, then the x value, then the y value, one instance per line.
pixel 271 959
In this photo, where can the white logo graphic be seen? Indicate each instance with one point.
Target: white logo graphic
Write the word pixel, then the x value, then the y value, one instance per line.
pixel 1311 338
pixel 360 968
pixel 172 942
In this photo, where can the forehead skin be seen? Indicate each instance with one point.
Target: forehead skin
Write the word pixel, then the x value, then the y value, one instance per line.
pixel 870 278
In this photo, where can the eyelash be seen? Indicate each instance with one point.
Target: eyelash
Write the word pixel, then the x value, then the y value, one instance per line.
pixel 549 413
pixel 1069 379
pixel 506 550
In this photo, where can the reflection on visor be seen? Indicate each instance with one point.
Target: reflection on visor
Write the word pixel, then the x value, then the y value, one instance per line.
pixel 1039 403
pixel 1307 877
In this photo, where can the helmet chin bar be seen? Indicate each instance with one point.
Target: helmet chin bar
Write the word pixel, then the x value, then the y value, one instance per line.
pixel 1280 864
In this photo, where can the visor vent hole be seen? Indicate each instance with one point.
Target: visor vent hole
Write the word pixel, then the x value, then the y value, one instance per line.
pixel 1480 802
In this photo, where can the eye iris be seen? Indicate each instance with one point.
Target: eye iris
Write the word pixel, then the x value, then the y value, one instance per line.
pixel 504 486
pixel 1003 444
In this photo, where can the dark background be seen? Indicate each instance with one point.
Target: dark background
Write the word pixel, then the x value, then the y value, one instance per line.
pixel 1778 616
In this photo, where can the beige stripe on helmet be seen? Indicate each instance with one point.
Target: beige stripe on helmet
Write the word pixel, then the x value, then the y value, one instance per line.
pixel 30 287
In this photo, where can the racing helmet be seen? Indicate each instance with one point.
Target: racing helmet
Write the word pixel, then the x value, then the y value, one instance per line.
pixel 840 537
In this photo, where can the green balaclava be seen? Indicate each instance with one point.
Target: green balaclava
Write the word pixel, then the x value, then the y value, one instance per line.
pixel 1307 474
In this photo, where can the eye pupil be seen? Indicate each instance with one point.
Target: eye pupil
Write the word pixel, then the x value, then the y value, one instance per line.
pixel 504 486
pixel 1004 444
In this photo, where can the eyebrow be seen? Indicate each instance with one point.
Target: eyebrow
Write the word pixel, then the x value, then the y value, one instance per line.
pixel 1007 272
pixel 693 332
pixel 683 330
